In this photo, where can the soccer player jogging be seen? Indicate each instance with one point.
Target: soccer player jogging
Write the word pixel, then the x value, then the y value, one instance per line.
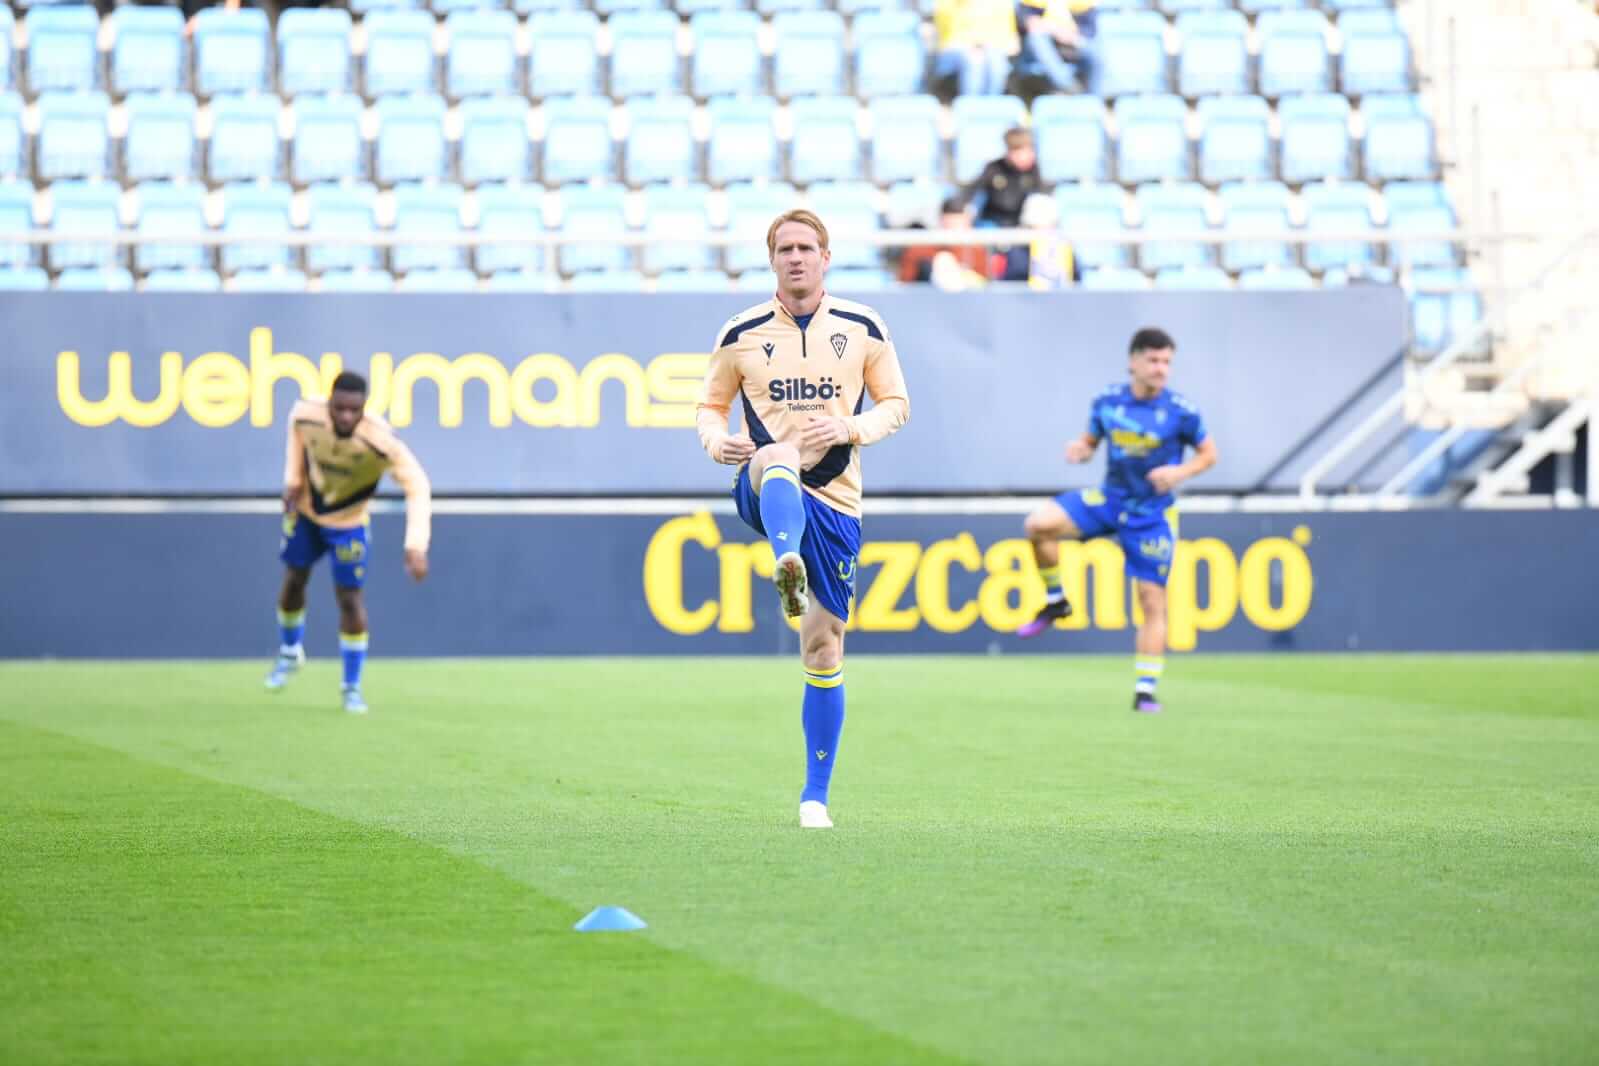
pixel 1147 428
pixel 801 366
pixel 336 455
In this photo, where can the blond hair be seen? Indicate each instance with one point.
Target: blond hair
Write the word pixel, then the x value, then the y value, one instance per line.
pixel 804 218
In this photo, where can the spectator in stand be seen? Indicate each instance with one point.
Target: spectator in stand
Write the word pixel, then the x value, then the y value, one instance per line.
pixel 1058 40
pixel 976 40
pixel 1047 261
pixel 917 262
pixel 1006 183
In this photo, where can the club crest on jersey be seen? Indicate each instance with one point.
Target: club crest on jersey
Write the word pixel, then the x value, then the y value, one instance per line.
pixel 768 347
pixel 839 341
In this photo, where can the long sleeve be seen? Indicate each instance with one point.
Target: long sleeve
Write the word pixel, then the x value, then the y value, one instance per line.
pixel 722 384
pixel 413 481
pixel 294 460
pixel 885 384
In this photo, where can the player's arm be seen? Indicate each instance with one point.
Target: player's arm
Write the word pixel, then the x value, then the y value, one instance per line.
pixel 293 467
pixel 413 481
pixel 1081 449
pixel 722 383
pixel 1193 434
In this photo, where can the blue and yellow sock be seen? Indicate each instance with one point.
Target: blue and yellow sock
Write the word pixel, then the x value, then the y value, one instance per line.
pixel 1054 591
pixel 1149 668
pixel 291 628
pixel 352 648
pixel 823 718
pixel 782 509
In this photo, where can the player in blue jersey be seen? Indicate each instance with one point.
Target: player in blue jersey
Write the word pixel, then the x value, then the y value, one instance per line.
pixel 1147 428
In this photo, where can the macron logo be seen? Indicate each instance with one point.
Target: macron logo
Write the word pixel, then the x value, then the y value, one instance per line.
pixel 821 755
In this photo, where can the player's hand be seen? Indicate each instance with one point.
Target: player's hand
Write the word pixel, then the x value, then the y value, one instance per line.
pixel 822 433
pixel 1165 478
pixel 416 563
pixel 1079 451
pixel 291 500
pixel 735 449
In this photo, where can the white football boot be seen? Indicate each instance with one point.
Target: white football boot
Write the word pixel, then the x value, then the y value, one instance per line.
pixel 790 580
pixel 813 815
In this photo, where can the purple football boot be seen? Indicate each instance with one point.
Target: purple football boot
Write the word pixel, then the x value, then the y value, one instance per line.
pixel 1144 703
pixel 1047 617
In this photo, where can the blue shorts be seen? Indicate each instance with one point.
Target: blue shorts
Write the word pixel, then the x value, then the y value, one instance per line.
pixel 304 542
pixel 831 545
pixel 1147 538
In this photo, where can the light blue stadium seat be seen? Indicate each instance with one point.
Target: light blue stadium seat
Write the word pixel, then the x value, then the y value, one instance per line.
pixel 13 138
pixel 16 215
pixel 494 141
pixel 182 281
pixel 612 7
pixel 890 59
pixel 452 279
pixel 244 138
pixel 1283 278
pixel 980 125
pixel 521 281
pixel 481 59
pixel 1234 139
pixel 660 140
pixel 1401 195
pixel 775 7
pixel 849 208
pixel 826 144
pixel 357 280
pixel 1088 211
pixel 1254 207
pixel 607 281
pixel 1173 209
pixel 727 59
pixel 327 140
pixel 363 7
pixel 7 57
pixel 1439 317
pixel 1201 278
pixel 1153 141
pixel 750 210
pixel 23 279
pixel 692 281
pixel 160 136
pixel 148 52
pixel 1315 137
pixel 1355 5
pixel 168 209
pixel 905 139
pixel 1180 7
pixel 1132 53
pixel 577 139
pixel 1414 218
pixel 399 53
pixel 676 211
pixel 511 211
pixel 565 57
pixel 1369 20
pixel 269 281
pixel 231 50
pixel 410 144
pixel 95 279
pixel 809 60
pixel 1256 7
pixel 1338 207
pixel 644 57
pixel 341 211
pixel 532 7
pixel 743 142
pixel 1293 53
pixel 1215 53
pixel 593 211
pixel 690 8
pixel 1399 139
pixel 1069 132
pixel 84 207
pixel 1115 279
pixel 859 280
pixel 73 142
pixel 314 51
pixel 915 202
pixel 61 48
pixel 860 7
pixel 431 210
pixel 1374 63
pixel 761 280
pixel 251 209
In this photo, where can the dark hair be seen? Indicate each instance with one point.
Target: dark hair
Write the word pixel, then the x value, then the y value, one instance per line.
pixel 350 381
pixel 1150 339
pixel 952 206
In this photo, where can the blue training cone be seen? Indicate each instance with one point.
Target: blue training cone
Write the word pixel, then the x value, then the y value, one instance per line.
pixel 610 920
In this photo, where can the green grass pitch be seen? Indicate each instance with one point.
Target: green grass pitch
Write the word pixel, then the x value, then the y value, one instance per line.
pixel 1305 860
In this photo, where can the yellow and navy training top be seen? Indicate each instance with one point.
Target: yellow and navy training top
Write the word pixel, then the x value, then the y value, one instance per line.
pixel 782 376
pixel 336 477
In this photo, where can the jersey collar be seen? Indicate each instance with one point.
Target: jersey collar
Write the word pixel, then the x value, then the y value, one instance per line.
pixel 783 312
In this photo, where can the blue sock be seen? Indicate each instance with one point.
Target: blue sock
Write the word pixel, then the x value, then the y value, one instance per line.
pixel 782 509
pixel 352 648
pixel 291 627
pixel 823 718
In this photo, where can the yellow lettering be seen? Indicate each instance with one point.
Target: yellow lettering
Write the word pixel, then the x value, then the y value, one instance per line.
pixel 450 378
pixel 1185 617
pixel 1104 559
pixel 379 381
pixel 735 564
pixel 663 573
pixel 674 379
pixel 216 390
pixel 560 411
pixel 932 583
pixel 616 367
pixel 879 607
pixel 119 399
pixel 268 367
pixel 1254 583
pixel 1012 592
